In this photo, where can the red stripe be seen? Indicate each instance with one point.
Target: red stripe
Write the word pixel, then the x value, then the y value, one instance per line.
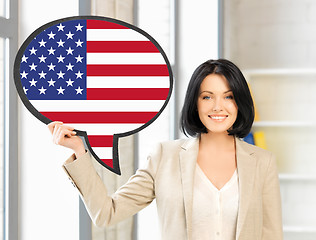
pixel 100 117
pixel 127 93
pixel 108 162
pixel 121 46
pixel 100 24
pixel 100 141
pixel 127 70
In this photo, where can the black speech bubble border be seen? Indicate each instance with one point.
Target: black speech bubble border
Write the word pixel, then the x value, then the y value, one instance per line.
pixel 42 118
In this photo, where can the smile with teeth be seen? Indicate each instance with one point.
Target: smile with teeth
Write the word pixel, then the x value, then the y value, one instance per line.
pixel 217 117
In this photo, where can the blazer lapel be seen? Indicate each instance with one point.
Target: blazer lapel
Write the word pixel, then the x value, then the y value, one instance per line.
pixel 246 164
pixel 188 156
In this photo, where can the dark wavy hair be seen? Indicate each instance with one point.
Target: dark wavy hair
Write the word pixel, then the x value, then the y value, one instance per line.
pixel 190 121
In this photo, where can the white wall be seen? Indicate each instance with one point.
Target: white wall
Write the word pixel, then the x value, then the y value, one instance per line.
pixel 48 203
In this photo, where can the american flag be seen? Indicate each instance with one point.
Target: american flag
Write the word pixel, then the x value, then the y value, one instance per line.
pixel 97 76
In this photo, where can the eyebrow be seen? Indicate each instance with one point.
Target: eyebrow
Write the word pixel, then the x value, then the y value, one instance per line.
pixel 213 93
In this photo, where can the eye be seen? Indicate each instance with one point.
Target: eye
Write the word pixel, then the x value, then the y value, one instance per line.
pixel 206 97
pixel 229 97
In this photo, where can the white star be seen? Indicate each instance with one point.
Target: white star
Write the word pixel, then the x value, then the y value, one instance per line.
pixel 33 83
pixel 24 59
pixel 69 67
pixel 60 74
pixel 69 35
pixel 79 27
pixel 51 35
pixel 25 90
pixel 60 90
pixel 42 58
pixel 51 82
pixel 60 27
pixel 42 43
pixel 33 67
pixel 42 90
pixel 79 90
pixel 51 51
pixel 60 58
pixel 42 75
pixel 23 74
pixel 69 51
pixel 33 51
pixel 79 58
pixel 51 67
pixel 79 43
pixel 79 74
pixel 60 43
pixel 69 82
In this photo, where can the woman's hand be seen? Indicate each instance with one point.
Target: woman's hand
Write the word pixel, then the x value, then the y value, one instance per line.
pixel 64 135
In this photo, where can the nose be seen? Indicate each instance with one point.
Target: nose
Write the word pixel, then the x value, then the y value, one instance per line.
pixel 217 107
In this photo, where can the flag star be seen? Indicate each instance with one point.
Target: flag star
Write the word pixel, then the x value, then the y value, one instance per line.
pixel 69 82
pixel 79 27
pixel 42 43
pixel 79 43
pixel 60 27
pixel 51 82
pixel 60 58
pixel 33 82
pixel 23 74
pixel 79 58
pixel 60 43
pixel 42 75
pixel 79 90
pixel 51 51
pixel 33 67
pixel 42 90
pixel 51 35
pixel 51 67
pixel 42 58
pixel 24 59
pixel 25 90
pixel 60 74
pixel 79 74
pixel 60 90
pixel 69 67
pixel 69 35
pixel 69 51
pixel 33 51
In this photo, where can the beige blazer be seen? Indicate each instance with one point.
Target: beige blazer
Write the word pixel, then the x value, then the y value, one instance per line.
pixel 168 177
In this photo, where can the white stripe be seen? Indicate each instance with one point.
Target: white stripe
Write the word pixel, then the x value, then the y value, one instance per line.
pixel 103 152
pixel 125 58
pixel 127 82
pixel 114 35
pixel 98 105
pixel 104 129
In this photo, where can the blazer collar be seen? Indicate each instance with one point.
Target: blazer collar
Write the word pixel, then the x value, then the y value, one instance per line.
pixel 246 164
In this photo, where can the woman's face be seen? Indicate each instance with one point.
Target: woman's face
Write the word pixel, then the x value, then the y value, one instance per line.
pixel 216 104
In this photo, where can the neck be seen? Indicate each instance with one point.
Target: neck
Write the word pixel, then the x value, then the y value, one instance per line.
pixel 217 141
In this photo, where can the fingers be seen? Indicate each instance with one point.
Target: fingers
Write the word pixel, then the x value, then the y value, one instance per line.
pixel 60 132
pixel 52 125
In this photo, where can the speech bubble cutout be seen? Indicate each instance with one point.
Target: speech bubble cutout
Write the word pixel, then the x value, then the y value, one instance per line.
pixel 105 77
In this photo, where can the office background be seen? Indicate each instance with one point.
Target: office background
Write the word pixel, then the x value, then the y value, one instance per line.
pixel 273 42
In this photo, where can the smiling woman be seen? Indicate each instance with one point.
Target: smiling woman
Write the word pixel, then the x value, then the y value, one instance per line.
pixel 218 185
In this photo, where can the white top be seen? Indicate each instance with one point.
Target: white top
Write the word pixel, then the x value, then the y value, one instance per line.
pixel 214 214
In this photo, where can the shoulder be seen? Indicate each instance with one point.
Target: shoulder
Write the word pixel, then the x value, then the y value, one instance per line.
pixel 253 150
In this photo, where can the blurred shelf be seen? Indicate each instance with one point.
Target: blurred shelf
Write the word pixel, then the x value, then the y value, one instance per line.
pixel 296 177
pixel 280 71
pixel 299 229
pixel 283 124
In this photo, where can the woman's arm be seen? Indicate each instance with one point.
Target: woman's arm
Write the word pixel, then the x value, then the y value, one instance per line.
pixel 272 214
pixel 105 210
